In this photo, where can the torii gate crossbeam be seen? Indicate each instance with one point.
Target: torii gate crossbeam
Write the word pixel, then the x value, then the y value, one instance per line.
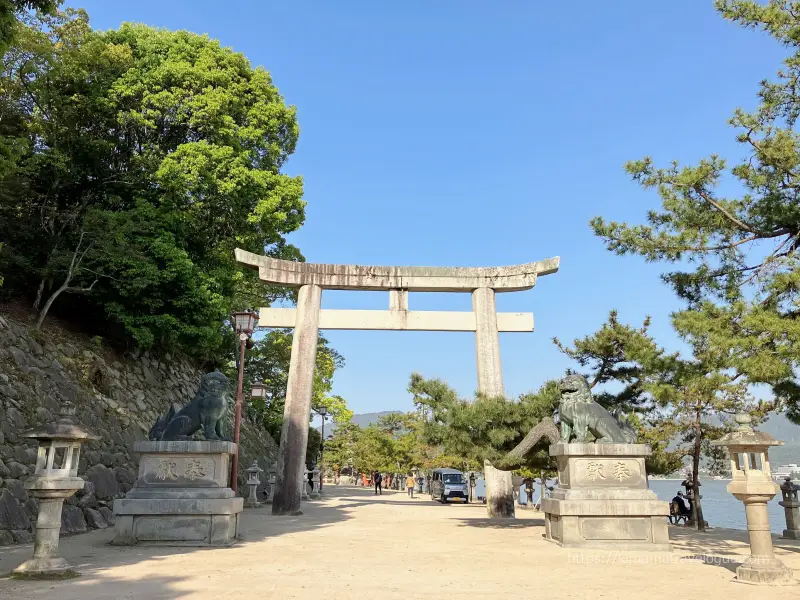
pixel 308 318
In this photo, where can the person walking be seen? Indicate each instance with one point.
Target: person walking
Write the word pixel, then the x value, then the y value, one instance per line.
pixel 410 485
pixel 377 479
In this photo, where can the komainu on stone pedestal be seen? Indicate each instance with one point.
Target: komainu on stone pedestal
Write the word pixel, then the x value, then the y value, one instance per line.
pixel 602 500
pixel 181 497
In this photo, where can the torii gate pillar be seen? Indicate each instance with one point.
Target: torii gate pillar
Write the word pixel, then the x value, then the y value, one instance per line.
pixel 487 342
pixel 307 319
pixel 299 390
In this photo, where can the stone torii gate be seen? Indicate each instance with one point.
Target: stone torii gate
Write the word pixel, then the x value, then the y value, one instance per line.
pixel 307 319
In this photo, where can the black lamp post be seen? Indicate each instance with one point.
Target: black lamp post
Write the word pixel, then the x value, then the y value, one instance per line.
pixel 323 412
pixel 244 323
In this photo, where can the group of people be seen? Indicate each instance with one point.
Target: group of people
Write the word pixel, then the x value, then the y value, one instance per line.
pixel 380 481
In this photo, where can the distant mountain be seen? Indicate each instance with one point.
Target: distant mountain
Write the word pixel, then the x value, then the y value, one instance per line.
pixel 362 420
pixel 783 429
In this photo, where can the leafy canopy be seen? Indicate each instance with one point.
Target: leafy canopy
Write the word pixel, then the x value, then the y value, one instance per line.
pixel 175 144
pixel 268 363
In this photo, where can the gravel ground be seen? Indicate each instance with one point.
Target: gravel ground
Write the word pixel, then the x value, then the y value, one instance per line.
pixel 355 545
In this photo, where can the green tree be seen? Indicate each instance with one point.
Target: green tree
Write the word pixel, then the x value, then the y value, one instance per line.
pixel 178 143
pixel 698 398
pixel 623 357
pixel 374 451
pixel 485 428
pixel 618 354
pixel 313 445
pixel 737 254
pixel 340 448
pixel 9 15
pixel 268 362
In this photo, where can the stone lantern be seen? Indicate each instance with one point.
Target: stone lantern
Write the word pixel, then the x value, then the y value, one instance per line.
pixel 253 482
pixel 316 474
pixel 752 484
pixel 304 489
pixel 269 482
pixel 55 478
pixel 791 506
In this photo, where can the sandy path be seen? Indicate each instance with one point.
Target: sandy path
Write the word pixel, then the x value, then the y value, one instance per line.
pixel 354 545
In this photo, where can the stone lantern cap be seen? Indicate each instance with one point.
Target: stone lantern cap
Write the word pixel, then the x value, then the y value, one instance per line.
pixel 254 468
pixel 744 435
pixel 63 429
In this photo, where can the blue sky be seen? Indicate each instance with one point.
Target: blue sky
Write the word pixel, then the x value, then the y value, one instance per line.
pixel 473 133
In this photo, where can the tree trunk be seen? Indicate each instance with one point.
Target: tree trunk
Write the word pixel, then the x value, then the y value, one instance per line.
pixel 697 509
pixel 37 302
pixel 499 492
pixel 49 303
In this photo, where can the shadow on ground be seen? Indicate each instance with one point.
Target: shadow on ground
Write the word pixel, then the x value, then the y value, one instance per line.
pixel 487 523
pixel 92 554
pixel 723 541
pixel 728 563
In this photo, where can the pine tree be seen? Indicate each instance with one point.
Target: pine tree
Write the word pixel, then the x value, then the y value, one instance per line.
pixel 697 399
pixel 738 255
pixel 618 354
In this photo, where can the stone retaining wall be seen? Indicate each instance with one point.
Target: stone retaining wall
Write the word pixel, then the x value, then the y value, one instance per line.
pixel 118 398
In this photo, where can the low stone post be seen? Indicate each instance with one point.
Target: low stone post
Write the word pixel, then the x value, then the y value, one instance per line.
pixel 752 484
pixel 253 481
pixel 791 506
pixel 55 478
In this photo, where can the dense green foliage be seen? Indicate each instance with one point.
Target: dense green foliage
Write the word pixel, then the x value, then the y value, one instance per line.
pixel 133 162
pixel 620 354
pixel 484 428
pixel 10 10
pixel 268 363
pixel 468 431
pixel 737 254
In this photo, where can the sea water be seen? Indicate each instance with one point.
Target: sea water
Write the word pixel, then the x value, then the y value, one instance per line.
pixel 720 508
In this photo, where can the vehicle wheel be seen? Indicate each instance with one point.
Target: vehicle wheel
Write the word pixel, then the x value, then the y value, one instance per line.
pixel 444 499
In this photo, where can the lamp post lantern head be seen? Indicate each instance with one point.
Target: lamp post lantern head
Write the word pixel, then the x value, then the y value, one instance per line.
pixel 258 390
pixel 245 322
pixel 323 411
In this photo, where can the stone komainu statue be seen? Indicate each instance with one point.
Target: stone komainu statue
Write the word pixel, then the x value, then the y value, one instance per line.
pixel 580 415
pixel 205 411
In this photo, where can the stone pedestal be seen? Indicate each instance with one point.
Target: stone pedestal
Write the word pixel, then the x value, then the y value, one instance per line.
pixel 761 567
pixel 602 500
pixel 181 497
pixel 46 559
